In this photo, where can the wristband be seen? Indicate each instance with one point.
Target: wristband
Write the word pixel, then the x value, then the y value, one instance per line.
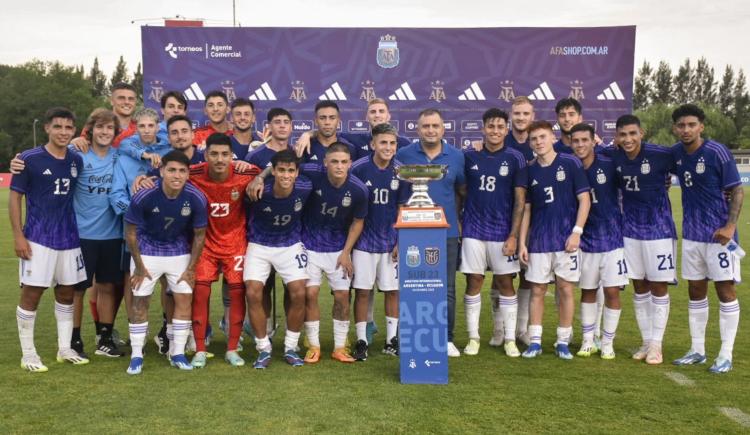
pixel 577 230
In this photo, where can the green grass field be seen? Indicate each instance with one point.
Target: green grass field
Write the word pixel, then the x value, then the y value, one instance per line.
pixel 489 393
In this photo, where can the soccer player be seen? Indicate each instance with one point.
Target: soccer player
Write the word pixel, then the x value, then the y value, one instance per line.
pixel 569 113
pixel 557 205
pixel 602 253
pixel 327 120
pixel 521 116
pixel 375 256
pixel 159 226
pixel 274 241
pixel 224 186
pixel 172 104
pixel 146 144
pixel 708 175
pixel 649 232
pixel 377 113
pixel 48 244
pixel 123 99
pixel 432 149
pixel 495 194
pixel 243 120
pixel 280 130
pixel 333 221
pixel 216 109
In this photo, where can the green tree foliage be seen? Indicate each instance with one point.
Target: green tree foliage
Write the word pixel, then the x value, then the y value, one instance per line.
pixel 663 84
pixel 656 121
pixel 725 99
pixel 120 74
pixel 741 110
pixel 138 82
pixel 98 80
pixel 682 82
pixel 642 89
pixel 703 84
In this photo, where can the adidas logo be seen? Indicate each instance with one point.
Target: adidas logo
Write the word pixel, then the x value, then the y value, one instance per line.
pixel 263 93
pixel 89 166
pixel 368 183
pixel 319 192
pixel 314 157
pixel 155 210
pixel 268 209
pixel 403 93
pixel 475 167
pixel 333 93
pixel 534 183
pixel 47 172
pixel 543 92
pixel 472 93
pixel 612 92
pixel 194 92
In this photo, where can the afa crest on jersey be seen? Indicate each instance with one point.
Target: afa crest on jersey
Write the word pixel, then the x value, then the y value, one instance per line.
pixel 235 195
pixel 560 174
pixel 701 166
pixel 645 167
pixel 413 259
pixel 394 184
pixel 504 169
pixel 431 256
pixel 600 177
pixel 297 204
pixel 347 200
pixel 186 209
pixel 73 170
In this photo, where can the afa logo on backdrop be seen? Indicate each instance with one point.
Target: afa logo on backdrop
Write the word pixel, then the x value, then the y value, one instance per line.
pixel 388 55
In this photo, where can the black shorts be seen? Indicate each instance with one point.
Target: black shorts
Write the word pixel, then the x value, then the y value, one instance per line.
pixel 102 260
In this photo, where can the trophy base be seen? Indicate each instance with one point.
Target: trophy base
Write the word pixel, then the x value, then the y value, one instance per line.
pixel 421 217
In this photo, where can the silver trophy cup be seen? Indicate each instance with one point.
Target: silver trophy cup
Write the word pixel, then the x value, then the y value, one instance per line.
pixel 419 176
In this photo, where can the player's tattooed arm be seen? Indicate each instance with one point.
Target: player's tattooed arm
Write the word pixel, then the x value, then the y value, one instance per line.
pixel 199 239
pixel 511 244
pixel 725 233
pixel 345 259
pixel 523 252
pixel 254 190
pixel 22 247
pixel 140 272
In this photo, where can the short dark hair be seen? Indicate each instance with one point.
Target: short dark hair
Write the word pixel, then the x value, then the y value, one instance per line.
pixel 218 139
pixel 59 112
pixel 325 104
pixel 338 147
pixel 173 94
pixel 688 110
pixel 176 118
pixel 285 156
pixel 628 119
pixel 494 113
pixel 122 85
pixel 384 128
pixel 175 156
pixel 214 94
pixel 430 111
pixel 539 125
pixel 278 111
pixel 568 102
pixel 242 102
pixel 582 126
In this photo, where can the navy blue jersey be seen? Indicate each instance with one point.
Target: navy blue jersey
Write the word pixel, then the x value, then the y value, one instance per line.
pixel 261 156
pixel 524 148
pixel 362 141
pixel 277 222
pixel 240 150
pixel 318 150
pixel 603 229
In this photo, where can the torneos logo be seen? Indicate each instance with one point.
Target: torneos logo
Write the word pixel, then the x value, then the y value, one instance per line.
pixel 171 50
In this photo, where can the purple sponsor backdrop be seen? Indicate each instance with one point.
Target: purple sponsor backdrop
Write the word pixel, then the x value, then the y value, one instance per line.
pixel 461 72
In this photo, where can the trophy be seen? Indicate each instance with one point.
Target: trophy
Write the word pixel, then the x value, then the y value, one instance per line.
pixel 419 176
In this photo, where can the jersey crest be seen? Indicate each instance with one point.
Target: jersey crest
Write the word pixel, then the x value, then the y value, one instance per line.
pixel 504 169
pixel 560 173
pixel 701 166
pixel 601 178
pixel 645 167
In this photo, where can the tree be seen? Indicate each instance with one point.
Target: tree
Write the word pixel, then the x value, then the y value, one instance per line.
pixel 741 112
pixel 642 87
pixel 98 80
pixel 725 98
pixel 663 84
pixel 138 82
pixel 682 82
pixel 656 121
pixel 120 73
pixel 702 83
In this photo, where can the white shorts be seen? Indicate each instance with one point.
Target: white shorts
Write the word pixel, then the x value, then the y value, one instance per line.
pixel 319 263
pixel 289 262
pixel 171 267
pixel 370 267
pixel 653 260
pixel 478 255
pixel 709 261
pixel 607 269
pixel 544 266
pixel 49 267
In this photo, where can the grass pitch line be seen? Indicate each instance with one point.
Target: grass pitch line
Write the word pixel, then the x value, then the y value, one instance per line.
pixel 680 379
pixel 737 415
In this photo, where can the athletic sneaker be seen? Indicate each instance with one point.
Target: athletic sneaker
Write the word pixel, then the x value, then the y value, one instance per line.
pixel 33 364
pixel 71 356
pixel 360 350
pixel 293 359
pixel 181 362
pixel 690 358
pixel 77 345
pixel 136 366
pixel 533 351
pixel 511 349
pixel 607 352
pixel 563 351
pixel 498 338
pixel 263 360
pixel 588 348
pixel 640 354
pixel 234 359
pixel 392 347
pixel 342 355
pixel 524 338
pixel 371 330
pixel 453 350
pixel 162 342
pixel 653 356
pixel 721 365
pixel 199 360
pixel 108 348
pixel 472 348
pixel 312 355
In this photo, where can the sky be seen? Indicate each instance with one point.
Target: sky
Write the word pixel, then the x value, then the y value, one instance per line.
pixel 75 31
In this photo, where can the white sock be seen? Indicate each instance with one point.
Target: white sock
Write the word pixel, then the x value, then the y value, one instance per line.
pixel 697 320
pixel 263 344
pixel 340 331
pixel 508 313
pixel 659 317
pixel 588 321
pixel 497 315
pixel 180 332
pixel 25 320
pixel 312 331
pixel 361 328
pixel 138 333
pixel 535 334
pixel 563 334
pixel 371 306
pixel 170 337
pixel 522 323
pixel 473 307
pixel 391 328
pixel 269 326
pixel 729 318
pixel 642 306
pixel 609 325
pixel 290 340
pixel 599 311
pixel 64 317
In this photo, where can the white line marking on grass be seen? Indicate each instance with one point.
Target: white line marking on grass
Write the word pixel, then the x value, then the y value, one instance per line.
pixel 680 379
pixel 737 415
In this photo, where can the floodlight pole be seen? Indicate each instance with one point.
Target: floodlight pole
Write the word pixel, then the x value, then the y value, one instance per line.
pixel 234 14
pixel 33 128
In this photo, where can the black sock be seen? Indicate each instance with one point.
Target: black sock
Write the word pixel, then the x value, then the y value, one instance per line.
pixel 105 331
pixel 76 334
pixel 98 327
